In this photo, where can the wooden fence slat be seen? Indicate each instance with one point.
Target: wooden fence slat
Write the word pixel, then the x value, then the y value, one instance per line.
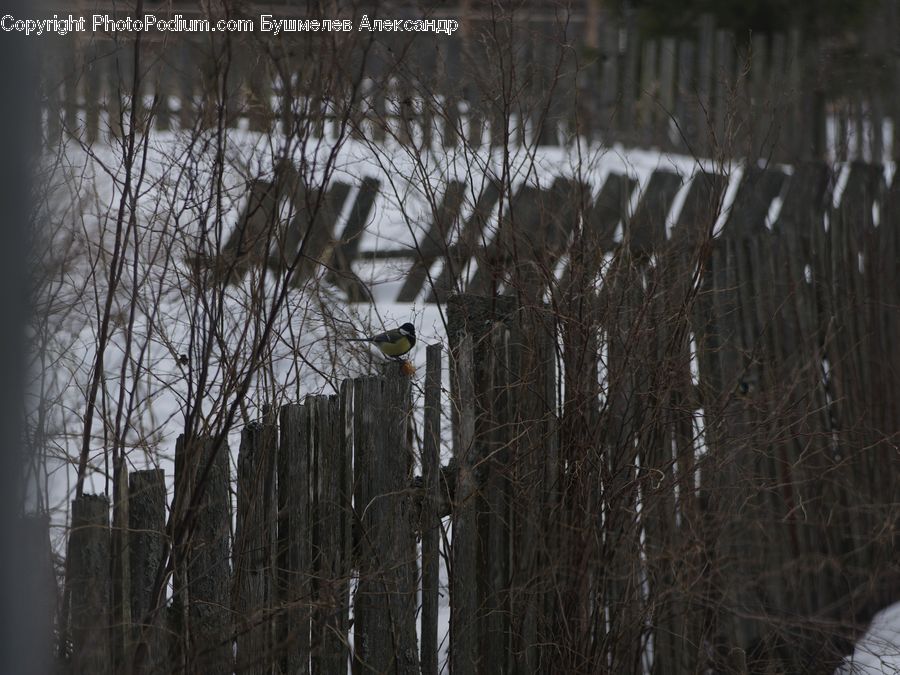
pixel 668 56
pixel 146 534
pixel 493 436
pixel 782 102
pixel 648 104
pixel 463 579
pixel 430 522
pixel 252 593
pixel 705 85
pixel 92 91
pixel 121 634
pixel 203 582
pixel 760 93
pixel 385 600
pixel 294 550
pixel 686 102
pixel 630 81
pixel 331 536
pixel 609 78
pixel 89 584
pixel 724 104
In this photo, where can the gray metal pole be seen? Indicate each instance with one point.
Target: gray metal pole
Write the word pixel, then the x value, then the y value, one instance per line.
pixel 23 645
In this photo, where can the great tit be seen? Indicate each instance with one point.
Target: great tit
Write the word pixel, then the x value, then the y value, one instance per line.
pixel 394 343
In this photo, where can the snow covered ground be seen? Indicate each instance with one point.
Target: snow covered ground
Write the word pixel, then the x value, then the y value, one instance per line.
pixel 878 651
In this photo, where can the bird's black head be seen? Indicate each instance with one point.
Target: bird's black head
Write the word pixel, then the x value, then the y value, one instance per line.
pixel 408 329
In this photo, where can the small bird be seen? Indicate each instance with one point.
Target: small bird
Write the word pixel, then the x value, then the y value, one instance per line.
pixel 393 343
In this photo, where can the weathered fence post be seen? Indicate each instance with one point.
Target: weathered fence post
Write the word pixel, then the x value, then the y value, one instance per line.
pixel 146 533
pixel 121 571
pixel 203 582
pixel 89 583
pixel 486 322
pixel 430 522
pixel 294 552
pixel 463 580
pixel 332 532
pixel 253 548
pixel 385 608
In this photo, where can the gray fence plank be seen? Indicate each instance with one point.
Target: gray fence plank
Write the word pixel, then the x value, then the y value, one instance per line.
pixel 294 550
pixel 89 584
pixel 385 600
pixel 203 586
pixel 430 523
pixel 146 534
pixel 252 591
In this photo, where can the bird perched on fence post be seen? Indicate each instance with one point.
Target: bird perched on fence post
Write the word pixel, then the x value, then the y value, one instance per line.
pixel 393 343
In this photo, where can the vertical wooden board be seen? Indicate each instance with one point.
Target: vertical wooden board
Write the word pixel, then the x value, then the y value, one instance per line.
pixel 648 105
pixel 657 480
pixel 89 586
pixel 534 474
pixel 705 88
pixel 667 72
pixel 780 104
pixel 71 72
pixel 686 103
pixel 259 94
pixel 463 573
pixel 330 528
pixel 494 435
pixel 92 91
pixel 623 411
pixel 161 86
pixel 121 634
pixel 202 573
pixel 294 549
pixel 185 66
pixel 253 548
pixel 146 540
pixel 724 104
pixel 49 67
pixel 113 92
pixel 608 88
pixel 760 97
pixel 630 80
pixel 385 601
pixel 430 523
pixel 426 58
pixel 796 132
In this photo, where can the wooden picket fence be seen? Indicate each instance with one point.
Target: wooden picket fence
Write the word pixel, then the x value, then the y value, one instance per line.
pixel 309 524
pixel 584 73
pixel 606 498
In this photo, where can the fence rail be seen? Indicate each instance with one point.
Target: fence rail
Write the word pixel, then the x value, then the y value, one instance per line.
pixel 587 74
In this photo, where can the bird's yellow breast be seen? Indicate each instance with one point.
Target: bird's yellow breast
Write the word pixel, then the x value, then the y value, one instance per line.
pixel 396 348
